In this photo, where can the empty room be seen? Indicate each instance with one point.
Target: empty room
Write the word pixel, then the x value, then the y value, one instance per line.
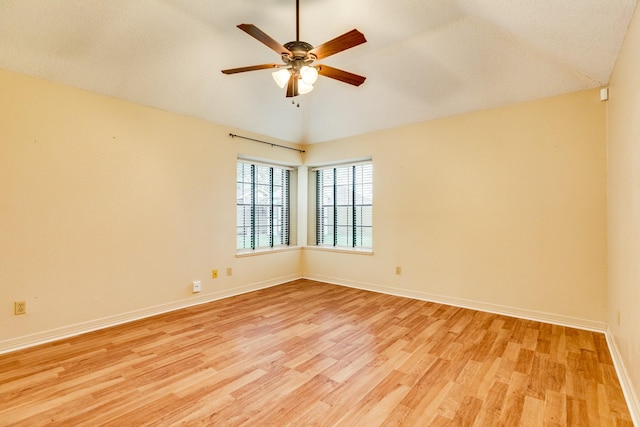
pixel 319 213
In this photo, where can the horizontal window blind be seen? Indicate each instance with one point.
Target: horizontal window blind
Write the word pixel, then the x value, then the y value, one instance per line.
pixel 344 206
pixel 262 206
pixel 340 165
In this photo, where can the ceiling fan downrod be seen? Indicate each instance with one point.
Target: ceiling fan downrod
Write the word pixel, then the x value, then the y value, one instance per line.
pixel 297 20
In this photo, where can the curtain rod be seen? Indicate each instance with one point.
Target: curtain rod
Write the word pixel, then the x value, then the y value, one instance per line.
pixel 233 135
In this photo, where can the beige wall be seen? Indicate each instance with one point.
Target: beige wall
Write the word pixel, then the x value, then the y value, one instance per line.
pixel 110 207
pixel 107 207
pixel 505 207
pixel 624 205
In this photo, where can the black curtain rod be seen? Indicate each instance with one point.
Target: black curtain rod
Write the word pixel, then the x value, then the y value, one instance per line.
pixel 233 135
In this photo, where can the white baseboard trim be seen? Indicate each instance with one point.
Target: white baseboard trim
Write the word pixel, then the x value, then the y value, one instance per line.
pixel 43 337
pixel 625 382
pixel 540 316
pixel 31 340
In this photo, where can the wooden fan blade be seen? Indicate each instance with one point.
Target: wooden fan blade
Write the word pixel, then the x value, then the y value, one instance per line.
pixel 263 37
pixel 343 76
pixel 251 68
pixel 340 43
pixel 292 87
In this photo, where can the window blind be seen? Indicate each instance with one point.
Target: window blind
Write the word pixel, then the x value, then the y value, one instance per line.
pixel 344 197
pixel 262 206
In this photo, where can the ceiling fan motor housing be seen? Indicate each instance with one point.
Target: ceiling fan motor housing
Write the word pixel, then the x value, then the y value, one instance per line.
pixel 299 51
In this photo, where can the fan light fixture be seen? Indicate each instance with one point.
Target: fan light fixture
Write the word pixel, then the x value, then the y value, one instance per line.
pixel 304 87
pixel 281 77
pixel 297 73
pixel 307 77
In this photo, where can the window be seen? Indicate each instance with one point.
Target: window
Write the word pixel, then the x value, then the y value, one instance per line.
pixel 263 217
pixel 344 206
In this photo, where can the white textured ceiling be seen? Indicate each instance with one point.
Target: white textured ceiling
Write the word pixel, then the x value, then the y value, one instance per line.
pixel 423 59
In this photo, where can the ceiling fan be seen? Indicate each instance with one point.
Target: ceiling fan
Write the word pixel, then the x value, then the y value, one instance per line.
pixel 297 71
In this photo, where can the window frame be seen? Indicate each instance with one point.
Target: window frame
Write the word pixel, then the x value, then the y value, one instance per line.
pixel 284 220
pixel 359 209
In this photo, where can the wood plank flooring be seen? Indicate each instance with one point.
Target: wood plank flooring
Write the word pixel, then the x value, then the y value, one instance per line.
pixel 312 354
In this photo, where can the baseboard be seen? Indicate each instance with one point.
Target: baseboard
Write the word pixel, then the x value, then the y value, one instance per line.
pixel 625 382
pixel 633 403
pixel 540 316
pixel 31 340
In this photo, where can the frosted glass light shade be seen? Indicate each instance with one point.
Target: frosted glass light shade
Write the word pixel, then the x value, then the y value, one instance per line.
pixel 309 75
pixel 304 87
pixel 281 77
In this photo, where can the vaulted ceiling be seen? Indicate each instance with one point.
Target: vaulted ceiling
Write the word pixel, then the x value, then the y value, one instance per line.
pixel 423 59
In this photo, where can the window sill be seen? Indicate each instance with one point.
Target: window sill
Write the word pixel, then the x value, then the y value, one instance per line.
pixel 263 251
pixel 356 251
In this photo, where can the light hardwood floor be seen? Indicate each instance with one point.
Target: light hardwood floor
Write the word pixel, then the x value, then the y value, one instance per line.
pixel 309 353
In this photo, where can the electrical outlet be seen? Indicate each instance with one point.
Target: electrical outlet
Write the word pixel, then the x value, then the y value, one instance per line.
pixel 19 307
pixel 214 274
pixel 229 271
pixel 197 286
pixel 398 270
